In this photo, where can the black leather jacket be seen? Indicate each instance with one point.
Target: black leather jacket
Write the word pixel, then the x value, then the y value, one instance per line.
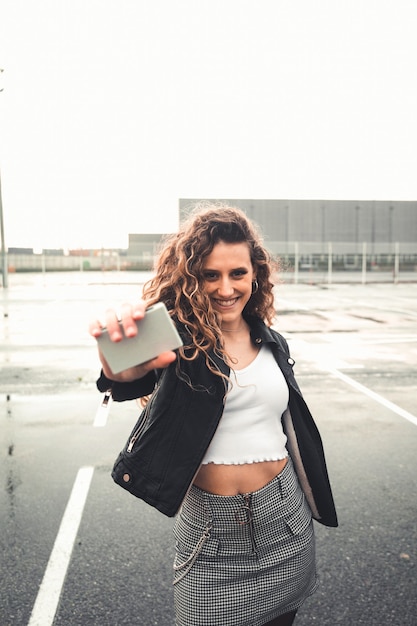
pixel 176 427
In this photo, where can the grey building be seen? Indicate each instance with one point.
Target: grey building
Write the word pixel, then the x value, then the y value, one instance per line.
pixel 306 233
pixel 335 221
pixel 145 245
pixel 142 250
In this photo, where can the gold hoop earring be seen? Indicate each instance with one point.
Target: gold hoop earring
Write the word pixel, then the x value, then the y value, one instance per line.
pixel 255 286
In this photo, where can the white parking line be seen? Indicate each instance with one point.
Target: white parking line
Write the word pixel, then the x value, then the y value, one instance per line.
pixel 375 396
pixel 44 609
pixel 331 365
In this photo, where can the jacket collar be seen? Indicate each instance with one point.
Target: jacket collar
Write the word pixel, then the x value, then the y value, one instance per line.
pixel 261 333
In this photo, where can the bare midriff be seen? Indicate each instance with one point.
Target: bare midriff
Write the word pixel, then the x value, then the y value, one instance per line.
pixel 230 480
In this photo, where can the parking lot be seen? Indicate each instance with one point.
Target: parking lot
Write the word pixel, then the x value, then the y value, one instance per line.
pixel 77 550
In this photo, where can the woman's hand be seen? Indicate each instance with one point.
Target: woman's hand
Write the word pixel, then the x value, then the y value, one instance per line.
pixel 129 315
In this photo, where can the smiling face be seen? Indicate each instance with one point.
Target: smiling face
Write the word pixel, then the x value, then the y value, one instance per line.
pixel 228 276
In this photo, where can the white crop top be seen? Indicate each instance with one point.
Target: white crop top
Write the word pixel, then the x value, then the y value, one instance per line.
pixel 250 429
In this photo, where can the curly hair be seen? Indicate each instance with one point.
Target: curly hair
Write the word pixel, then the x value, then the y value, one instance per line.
pixel 179 280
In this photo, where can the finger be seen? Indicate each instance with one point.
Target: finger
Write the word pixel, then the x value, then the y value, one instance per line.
pixel 130 314
pixel 95 328
pixel 139 310
pixel 113 325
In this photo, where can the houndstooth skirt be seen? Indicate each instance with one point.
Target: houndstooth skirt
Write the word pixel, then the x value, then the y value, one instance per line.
pixel 243 560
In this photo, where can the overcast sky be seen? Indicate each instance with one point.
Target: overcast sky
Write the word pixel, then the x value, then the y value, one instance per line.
pixel 112 110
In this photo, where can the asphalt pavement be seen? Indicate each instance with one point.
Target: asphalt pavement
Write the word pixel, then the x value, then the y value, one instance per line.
pixel 76 550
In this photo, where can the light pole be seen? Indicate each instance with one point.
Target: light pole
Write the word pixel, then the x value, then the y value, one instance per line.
pixel 287 230
pixel 373 227
pixel 3 245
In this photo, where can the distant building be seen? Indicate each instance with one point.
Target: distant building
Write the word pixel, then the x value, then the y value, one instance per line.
pixel 142 249
pixel 144 244
pixel 329 220
pixel 14 250
pixel 310 228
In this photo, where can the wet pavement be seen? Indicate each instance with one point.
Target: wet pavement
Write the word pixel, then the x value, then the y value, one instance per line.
pixel 355 349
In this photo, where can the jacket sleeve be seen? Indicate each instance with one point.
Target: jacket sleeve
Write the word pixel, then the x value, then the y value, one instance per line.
pixel 127 391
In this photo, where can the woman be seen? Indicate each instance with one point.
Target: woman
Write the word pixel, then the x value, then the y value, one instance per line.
pixel 226 441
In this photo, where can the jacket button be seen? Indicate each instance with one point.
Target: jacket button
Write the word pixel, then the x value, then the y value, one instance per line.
pixel 258 340
pixel 290 361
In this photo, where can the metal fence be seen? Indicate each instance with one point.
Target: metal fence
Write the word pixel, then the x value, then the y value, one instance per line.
pixel 347 262
pixel 300 262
